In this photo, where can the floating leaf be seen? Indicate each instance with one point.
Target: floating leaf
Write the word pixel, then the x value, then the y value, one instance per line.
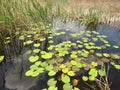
pixel 51 82
pixel 1 58
pixel 47 56
pixel 65 70
pixel 75 88
pixel 33 67
pixel 40 70
pixel 73 62
pixel 94 64
pixel 115 56
pixel 101 72
pixel 93 72
pixel 51 73
pixel 115 46
pixel 62 66
pixel 28 42
pixel 53 88
pixel 85 78
pixel 73 56
pixel 106 54
pixel 50 67
pixel 44 64
pixel 79 65
pixel 21 38
pixel 36 50
pixel 67 86
pixel 36 45
pixel 35 74
pixel 33 58
pixel 108 45
pixel 99 54
pixel 91 78
pixel 37 63
pixel 65 79
pixel 71 73
pixel 117 67
pixel 42 39
pixel 29 73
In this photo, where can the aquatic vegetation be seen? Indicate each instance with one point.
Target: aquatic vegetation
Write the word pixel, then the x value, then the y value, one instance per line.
pixel 1 58
pixel 69 57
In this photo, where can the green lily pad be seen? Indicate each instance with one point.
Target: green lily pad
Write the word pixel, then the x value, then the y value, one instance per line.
pixel 36 45
pixel 93 72
pixel 42 39
pixel 35 74
pixel 52 73
pixel 49 68
pixel 65 79
pixel 62 66
pixel 65 70
pixel 53 87
pixel 29 73
pixel 73 56
pixel 73 62
pixel 115 46
pixel 51 82
pixel 106 54
pixel 71 73
pixel 99 54
pixel 38 63
pixel 47 56
pixel 75 88
pixel 79 65
pixel 33 58
pixel 67 86
pixel 85 78
pixel 92 78
pixel 21 38
pixel 101 72
pixel 1 58
pixel 44 64
pixel 115 56
pixel 36 50
pixel 94 64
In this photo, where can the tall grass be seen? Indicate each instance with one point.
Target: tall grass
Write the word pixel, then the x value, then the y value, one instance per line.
pixel 18 16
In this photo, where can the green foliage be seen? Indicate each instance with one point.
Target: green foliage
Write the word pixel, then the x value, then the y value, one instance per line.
pixel 51 82
pixel 1 58
pixel 47 56
pixel 67 86
pixel 51 73
pixel 33 58
pixel 85 78
pixel 65 79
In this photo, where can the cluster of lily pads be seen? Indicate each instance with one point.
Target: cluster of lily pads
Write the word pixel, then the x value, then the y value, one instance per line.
pixel 69 56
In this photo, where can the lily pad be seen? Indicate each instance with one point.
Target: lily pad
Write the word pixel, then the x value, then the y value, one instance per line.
pixel 51 82
pixel 67 86
pixel 65 79
pixel 1 58
pixel 85 78
pixel 33 58
pixel 71 73
pixel 52 73
pixel 47 56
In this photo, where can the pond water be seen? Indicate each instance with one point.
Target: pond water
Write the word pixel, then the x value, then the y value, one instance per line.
pixel 12 74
